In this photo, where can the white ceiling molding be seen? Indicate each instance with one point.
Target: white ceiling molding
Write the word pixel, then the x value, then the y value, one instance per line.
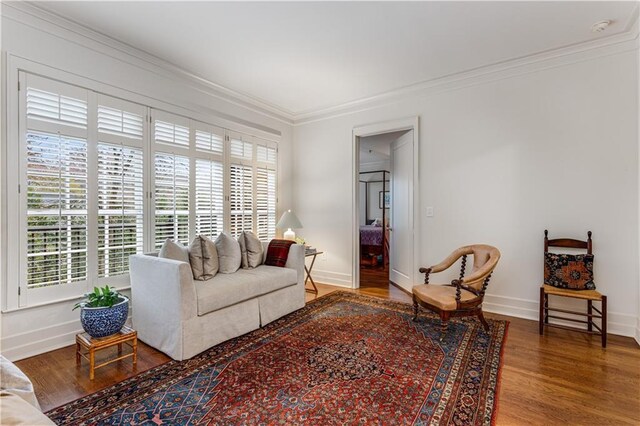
pixel 56 25
pixel 580 52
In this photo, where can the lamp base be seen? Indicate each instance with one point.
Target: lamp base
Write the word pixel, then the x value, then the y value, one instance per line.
pixel 289 235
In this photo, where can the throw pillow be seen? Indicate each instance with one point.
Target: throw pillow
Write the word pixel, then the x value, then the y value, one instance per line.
pixel 204 258
pixel 229 255
pixel 278 252
pixel 175 251
pixel 574 272
pixel 251 250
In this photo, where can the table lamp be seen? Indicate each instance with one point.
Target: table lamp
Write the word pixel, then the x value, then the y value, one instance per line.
pixel 289 221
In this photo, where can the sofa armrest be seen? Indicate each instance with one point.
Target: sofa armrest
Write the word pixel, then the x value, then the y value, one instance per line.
pixel 295 260
pixel 163 296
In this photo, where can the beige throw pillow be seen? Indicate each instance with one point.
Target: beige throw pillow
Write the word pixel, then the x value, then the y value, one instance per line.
pixel 229 255
pixel 203 256
pixel 175 251
pixel 251 250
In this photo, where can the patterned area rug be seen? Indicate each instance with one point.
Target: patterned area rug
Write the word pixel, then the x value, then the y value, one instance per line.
pixel 343 359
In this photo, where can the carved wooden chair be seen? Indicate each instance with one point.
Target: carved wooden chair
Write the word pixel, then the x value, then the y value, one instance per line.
pixel 464 296
pixel 589 295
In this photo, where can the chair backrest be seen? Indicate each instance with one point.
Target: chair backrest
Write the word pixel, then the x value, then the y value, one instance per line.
pixel 485 259
pixel 568 243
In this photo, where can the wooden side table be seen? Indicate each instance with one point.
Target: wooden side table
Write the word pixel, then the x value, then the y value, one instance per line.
pixel 91 345
pixel 313 255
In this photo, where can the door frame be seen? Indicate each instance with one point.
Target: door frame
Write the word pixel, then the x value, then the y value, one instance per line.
pixel 409 123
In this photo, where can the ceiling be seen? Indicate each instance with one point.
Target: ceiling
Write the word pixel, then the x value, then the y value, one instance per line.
pixel 307 56
pixel 377 148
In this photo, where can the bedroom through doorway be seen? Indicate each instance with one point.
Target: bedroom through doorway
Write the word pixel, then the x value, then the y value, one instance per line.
pixel 375 179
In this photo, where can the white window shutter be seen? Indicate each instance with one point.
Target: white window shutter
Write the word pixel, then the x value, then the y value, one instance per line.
pixel 171 198
pixel 240 198
pixel 56 210
pixel 120 207
pixel 209 198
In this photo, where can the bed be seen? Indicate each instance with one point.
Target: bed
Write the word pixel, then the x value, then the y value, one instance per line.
pixel 370 235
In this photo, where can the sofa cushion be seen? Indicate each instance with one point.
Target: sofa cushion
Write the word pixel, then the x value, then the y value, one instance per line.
pixel 203 256
pixel 175 251
pixel 251 249
pixel 13 380
pixel 17 411
pixel 228 289
pixel 229 256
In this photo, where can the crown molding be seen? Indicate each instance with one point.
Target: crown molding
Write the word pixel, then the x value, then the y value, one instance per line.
pixel 579 52
pixel 51 23
pixel 56 25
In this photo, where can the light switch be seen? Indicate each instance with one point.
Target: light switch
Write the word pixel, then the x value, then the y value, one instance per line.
pixel 429 211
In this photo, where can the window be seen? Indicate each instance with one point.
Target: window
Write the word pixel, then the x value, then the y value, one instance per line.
pixel 99 179
pixel 209 179
pixel 56 209
pixel 252 186
pixel 171 198
pixel 120 184
pixel 266 191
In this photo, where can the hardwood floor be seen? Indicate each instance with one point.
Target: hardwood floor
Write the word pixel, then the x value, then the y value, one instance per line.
pixel 559 378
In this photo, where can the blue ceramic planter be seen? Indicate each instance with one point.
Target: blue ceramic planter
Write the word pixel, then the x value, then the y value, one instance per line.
pixel 103 322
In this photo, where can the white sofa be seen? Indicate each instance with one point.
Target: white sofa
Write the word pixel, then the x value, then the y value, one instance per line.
pixel 18 402
pixel 182 317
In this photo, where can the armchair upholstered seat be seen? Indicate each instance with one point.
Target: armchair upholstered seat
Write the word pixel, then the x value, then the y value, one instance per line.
pixel 464 296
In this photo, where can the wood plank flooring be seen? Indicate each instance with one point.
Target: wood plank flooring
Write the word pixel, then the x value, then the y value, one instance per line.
pixel 560 378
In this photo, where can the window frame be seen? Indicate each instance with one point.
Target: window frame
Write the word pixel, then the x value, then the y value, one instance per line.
pixel 13 288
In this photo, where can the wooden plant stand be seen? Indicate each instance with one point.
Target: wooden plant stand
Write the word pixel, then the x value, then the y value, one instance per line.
pixel 91 345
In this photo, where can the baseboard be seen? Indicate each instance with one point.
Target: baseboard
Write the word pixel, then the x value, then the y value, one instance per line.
pixel 332 278
pixel 45 339
pixel 618 323
pixel 25 345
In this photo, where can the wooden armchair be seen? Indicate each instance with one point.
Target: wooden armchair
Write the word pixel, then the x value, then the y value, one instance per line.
pixel 464 296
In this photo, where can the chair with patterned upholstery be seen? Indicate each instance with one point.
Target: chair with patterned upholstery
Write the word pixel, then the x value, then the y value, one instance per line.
pixel 464 296
pixel 572 276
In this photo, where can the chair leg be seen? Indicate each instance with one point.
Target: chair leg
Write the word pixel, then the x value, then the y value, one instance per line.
pixel 546 308
pixel 484 322
pixel 541 319
pixel 415 308
pixel 444 325
pixel 604 321
pixel 590 312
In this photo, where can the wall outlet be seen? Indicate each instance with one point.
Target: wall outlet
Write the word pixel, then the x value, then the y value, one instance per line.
pixel 429 211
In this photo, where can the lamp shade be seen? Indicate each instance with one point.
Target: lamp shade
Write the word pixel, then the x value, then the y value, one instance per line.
pixel 289 221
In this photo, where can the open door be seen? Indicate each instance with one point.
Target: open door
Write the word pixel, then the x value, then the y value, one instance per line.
pixel 401 228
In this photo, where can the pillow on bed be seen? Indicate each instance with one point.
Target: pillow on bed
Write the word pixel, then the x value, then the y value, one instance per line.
pixel 377 222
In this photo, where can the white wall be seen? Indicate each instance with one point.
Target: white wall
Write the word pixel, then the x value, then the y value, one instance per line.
pixel 35 330
pixel 553 146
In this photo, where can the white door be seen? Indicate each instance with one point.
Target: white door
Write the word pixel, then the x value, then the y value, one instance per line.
pixel 401 223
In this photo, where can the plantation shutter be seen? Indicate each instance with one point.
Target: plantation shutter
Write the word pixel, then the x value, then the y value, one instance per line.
pixel 241 173
pixel 209 179
pixel 120 184
pixel 171 198
pixel 172 168
pixel 266 154
pixel 55 147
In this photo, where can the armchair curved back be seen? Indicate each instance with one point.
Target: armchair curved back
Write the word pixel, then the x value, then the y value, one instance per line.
pixel 485 259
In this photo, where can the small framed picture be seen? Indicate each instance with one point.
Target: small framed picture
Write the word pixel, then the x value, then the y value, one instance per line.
pixel 384 199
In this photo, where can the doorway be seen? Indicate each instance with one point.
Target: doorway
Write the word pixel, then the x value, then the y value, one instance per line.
pixel 384 244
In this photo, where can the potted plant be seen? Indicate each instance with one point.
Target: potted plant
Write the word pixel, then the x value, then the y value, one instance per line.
pixel 103 312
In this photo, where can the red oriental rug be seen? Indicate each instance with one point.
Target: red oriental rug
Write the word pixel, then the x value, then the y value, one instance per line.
pixel 342 359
